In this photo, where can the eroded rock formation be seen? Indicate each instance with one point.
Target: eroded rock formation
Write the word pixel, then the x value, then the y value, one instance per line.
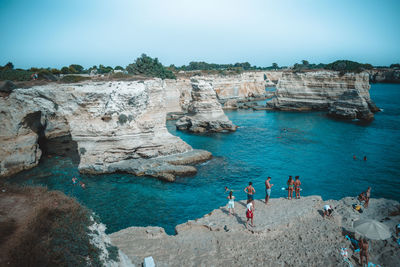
pixel 205 113
pixel 117 126
pixel 284 234
pixel 345 96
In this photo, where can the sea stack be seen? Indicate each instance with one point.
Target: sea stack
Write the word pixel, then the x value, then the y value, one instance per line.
pixel 343 95
pixel 205 113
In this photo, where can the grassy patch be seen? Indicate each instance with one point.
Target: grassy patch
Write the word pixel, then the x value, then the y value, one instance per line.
pixel 74 79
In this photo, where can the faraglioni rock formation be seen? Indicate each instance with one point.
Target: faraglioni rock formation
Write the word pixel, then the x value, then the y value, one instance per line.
pixel 344 96
pixel 205 113
pixel 111 126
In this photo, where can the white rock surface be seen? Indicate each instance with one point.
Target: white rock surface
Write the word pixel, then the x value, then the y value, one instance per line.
pixel 205 113
pixel 322 90
pixel 287 233
pixel 111 122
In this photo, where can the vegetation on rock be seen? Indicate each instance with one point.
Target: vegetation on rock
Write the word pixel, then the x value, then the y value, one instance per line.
pixel 147 66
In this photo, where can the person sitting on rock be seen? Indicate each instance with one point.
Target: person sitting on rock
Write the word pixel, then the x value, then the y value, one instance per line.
pixel 327 210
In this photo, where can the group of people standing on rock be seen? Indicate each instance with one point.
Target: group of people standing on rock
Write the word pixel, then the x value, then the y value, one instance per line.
pixel 293 185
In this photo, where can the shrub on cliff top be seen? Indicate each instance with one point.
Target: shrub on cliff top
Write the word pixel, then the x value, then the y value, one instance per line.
pixel 73 79
pixel 348 66
pixel 148 66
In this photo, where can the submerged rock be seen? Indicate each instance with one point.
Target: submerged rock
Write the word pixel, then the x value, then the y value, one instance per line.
pixel 205 113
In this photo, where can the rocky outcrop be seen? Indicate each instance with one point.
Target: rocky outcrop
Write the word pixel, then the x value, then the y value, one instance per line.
pixel 205 113
pixel 286 234
pixel 116 126
pixel 343 95
pixel 386 75
pixel 241 86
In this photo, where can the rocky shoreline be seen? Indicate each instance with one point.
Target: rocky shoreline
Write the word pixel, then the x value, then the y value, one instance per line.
pixel 287 233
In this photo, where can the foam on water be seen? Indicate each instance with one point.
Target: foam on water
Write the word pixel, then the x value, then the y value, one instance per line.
pixel 277 144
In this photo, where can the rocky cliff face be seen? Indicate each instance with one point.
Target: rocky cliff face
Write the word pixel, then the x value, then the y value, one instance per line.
pixel 205 113
pixel 384 75
pixel 345 96
pixel 116 126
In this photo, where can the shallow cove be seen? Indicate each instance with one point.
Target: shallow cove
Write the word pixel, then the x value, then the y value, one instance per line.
pixel 277 144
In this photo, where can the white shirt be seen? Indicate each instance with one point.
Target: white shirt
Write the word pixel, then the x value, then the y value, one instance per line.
pixel 327 207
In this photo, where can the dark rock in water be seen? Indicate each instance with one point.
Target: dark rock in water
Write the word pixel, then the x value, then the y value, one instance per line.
pixel 384 76
pixel 202 126
pixel 351 105
pixel 7 86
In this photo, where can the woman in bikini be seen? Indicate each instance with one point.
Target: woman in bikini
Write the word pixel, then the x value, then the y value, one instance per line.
pixel 290 184
pixel 297 184
pixel 231 203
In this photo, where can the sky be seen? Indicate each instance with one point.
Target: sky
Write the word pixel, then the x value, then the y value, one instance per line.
pixel 47 33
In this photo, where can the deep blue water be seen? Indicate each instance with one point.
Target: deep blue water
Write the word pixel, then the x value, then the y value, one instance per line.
pixel 277 144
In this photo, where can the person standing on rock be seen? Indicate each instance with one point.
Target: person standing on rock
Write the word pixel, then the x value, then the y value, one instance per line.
pixel 367 196
pixel 268 186
pixel 297 184
pixel 290 184
pixel 249 214
pixel 363 251
pixel 250 191
pixel 231 204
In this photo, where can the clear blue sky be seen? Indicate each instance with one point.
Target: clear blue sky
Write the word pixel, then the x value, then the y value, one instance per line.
pixel 55 33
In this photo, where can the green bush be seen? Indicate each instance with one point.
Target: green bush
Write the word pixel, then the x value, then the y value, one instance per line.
pixel 344 66
pixel 15 75
pixel 73 79
pixel 148 66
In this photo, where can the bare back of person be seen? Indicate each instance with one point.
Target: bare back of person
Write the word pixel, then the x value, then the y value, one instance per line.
pixel 250 190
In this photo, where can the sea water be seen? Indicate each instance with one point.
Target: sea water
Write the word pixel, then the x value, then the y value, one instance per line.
pixel 278 144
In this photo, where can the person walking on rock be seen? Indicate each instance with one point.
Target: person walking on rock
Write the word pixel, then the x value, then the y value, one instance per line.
pixel 290 184
pixel 268 186
pixel 250 191
pixel 249 214
pixel 231 204
pixel 297 184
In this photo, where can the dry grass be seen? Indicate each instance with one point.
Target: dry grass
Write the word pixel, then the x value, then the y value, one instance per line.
pixel 44 228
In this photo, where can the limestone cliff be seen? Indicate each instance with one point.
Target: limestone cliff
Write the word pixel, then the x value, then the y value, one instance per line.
pixel 386 75
pixel 116 126
pixel 205 113
pixel 325 90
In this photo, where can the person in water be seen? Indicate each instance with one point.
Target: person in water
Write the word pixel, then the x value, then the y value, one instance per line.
pixel 354 157
pixel 290 184
pixel 250 191
pixel 82 185
pixel 231 203
pixel 249 214
pixel 365 158
pixel 74 180
pixel 327 210
pixel 363 251
pixel 268 187
pixel 297 184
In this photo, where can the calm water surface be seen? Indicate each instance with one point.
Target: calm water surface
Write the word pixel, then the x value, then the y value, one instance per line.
pixel 277 144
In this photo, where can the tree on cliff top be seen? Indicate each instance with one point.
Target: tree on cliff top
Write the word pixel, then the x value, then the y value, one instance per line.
pixel 347 66
pixel 148 66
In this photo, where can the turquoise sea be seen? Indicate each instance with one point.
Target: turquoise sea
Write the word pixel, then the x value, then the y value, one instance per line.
pixel 317 148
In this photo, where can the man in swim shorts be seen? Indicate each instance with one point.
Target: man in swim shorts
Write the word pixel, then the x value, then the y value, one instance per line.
pixel 268 186
pixel 250 191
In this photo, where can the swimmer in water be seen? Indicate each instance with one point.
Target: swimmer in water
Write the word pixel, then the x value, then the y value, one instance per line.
pixel 74 180
pixel 82 185
pixel 365 158
pixel 354 157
